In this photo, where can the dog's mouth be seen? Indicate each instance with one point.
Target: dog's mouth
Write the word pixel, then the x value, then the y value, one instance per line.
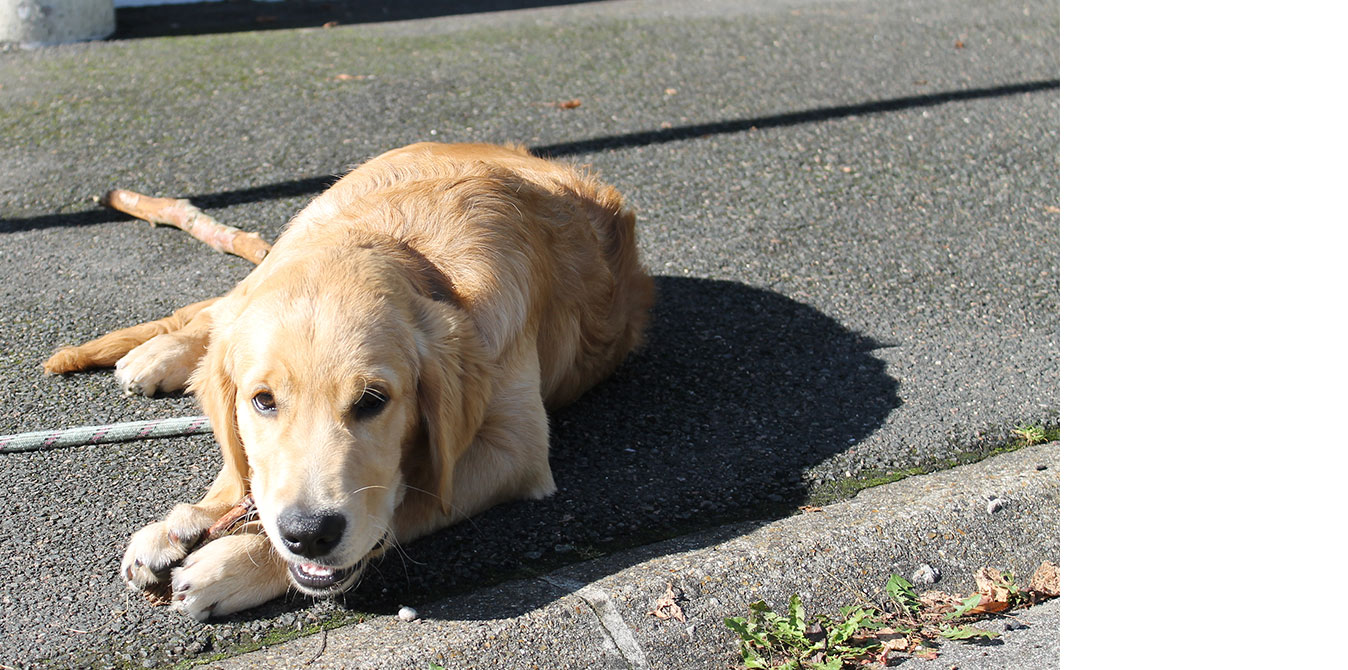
pixel 320 580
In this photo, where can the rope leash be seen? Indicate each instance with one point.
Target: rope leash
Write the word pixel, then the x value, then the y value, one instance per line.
pixel 117 432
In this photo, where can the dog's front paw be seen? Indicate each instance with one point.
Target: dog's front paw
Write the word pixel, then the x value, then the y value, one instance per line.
pixel 157 547
pixel 163 363
pixel 230 574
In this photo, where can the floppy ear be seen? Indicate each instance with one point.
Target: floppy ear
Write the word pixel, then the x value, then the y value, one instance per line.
pixel 214 388
pixel 454 385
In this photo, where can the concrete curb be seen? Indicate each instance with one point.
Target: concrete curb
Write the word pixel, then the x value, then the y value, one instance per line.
pixel 37 23
pixel 595 614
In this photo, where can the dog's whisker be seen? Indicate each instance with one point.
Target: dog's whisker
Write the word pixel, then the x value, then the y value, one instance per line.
pixel 252 554
pixel 468 519
pixel 392 541
pixel 421 490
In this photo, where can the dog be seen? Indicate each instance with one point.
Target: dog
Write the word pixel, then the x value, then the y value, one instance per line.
pixel 386 370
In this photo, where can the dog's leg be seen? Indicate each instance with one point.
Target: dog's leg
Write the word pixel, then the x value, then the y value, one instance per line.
pixel 233 573
pixel 108 349
pixel 508 459
pixel 166 361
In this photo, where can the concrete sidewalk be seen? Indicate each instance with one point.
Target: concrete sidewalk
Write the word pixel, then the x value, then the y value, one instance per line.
pixel 595 614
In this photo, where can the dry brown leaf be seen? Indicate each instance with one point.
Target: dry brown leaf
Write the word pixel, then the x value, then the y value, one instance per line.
pixel 994 587
pixel 810 508
pixel 993 583
pixel 987 605
pixel 1045 580
pixel 665 607
pixel 891 640
pixel 938 602
pixel 567 104
pixel 886 640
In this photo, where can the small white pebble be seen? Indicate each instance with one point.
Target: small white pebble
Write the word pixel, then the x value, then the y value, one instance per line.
pixel 995 504
pixel 926 575
pixel 407 614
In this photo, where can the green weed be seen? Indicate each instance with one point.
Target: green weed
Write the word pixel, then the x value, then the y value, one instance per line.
pixel 859 635
pixel 792 642
pixel 1027 435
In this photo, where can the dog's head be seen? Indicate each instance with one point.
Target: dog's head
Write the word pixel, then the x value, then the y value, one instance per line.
pixel 341 388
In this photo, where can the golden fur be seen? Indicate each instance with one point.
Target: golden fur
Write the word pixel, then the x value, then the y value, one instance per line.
pixel 389 362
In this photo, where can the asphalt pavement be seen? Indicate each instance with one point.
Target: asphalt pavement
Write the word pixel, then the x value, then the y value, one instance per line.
pixel 850 209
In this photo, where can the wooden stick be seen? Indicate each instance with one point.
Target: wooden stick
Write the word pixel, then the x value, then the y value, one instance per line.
pixel 230 519
pixel 184 215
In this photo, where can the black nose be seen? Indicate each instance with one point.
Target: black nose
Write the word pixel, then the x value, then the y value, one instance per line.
pixel 310 535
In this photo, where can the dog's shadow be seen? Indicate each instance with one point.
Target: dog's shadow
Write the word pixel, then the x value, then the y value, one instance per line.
pixel 736 393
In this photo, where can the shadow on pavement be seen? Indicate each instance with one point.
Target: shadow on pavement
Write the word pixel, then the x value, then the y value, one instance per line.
pixel 312 185
pixel 234 16
pixel 737 393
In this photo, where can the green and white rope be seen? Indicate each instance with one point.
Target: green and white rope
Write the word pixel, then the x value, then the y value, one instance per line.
pixel 117 432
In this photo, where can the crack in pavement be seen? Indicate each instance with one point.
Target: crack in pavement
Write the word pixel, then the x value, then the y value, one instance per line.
pixel 617 632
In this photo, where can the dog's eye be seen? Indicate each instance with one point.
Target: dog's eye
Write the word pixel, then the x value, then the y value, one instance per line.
pixel 369 404
pixel 264 403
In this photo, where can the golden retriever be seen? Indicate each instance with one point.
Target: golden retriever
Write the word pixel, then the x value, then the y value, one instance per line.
pixel 384 372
